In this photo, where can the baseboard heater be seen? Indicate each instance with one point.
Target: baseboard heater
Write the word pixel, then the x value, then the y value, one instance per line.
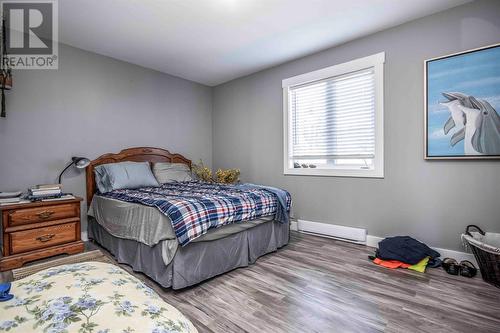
pixel 348 234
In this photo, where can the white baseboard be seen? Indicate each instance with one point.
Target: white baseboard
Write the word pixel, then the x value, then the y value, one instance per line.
pixel 356 235
pixel 457 255
pixel 373 241
pixel 84 236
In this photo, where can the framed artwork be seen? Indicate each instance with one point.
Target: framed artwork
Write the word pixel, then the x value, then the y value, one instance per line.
pixel 462 105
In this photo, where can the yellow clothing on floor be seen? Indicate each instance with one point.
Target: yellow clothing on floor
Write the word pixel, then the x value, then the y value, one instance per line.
pixel 421 265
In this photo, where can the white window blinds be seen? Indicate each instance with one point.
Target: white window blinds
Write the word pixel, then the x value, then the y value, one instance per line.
pixel 334 118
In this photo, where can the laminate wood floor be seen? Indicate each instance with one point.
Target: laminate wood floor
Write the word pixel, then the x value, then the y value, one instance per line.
pixel 317 284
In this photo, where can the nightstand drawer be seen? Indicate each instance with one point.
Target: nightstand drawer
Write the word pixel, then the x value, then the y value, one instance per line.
pixel 29 240
pixel 40 214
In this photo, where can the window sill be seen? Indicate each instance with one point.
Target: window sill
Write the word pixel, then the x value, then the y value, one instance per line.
pixel 334 173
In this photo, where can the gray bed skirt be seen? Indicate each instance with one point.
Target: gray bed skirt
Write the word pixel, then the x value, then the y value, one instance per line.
pixel 196 261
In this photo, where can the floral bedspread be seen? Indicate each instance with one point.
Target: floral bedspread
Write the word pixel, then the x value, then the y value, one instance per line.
pixel 88 297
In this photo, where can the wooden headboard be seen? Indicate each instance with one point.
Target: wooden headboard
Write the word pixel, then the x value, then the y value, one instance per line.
pixel 139 154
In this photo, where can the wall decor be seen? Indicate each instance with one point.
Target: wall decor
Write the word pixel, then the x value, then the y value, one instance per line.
pixel 5 71
pixel 462 105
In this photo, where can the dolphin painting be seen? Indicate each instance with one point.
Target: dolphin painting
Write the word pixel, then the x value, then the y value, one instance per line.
pixel 485 124
pixel 477 122
pixel 457 118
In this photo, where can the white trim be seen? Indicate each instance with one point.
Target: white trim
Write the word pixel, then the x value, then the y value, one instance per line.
pixel 377 62
pixel 84 236
pixel 356 235
pixel 322 230
pixel 335 70
pixel 376 173
pixel 331 237
pixel 372 241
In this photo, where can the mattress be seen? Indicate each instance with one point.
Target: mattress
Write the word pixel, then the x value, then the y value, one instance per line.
pixel 151 227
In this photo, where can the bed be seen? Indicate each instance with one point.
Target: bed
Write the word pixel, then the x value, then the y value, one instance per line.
pixel 84 297
pixel 143 237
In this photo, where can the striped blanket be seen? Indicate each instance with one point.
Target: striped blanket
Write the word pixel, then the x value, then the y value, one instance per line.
pixel 195 207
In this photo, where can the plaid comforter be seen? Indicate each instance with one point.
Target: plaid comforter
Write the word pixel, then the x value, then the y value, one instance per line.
pixel 195 207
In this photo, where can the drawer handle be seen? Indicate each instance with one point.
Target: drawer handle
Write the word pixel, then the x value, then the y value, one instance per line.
pixel 45 238
pixel 45 214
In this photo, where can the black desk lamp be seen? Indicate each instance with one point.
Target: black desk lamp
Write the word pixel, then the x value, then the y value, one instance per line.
pixel 79 162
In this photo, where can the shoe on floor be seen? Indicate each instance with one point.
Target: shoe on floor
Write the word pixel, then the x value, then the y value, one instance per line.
pixel 467 269
pixel 451 266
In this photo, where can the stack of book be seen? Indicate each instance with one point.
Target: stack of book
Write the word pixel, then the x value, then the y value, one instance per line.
pixel 10 198
pixel 46 192
pixel 6 201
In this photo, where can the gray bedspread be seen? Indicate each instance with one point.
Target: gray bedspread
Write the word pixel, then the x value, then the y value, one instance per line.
pixel 197 261
pixel 126 220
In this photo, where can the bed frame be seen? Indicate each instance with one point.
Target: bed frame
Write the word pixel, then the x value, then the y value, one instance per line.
pixel 194 262
pixel 138 154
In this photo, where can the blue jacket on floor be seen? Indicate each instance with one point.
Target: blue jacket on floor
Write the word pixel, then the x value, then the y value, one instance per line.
pixel 405 249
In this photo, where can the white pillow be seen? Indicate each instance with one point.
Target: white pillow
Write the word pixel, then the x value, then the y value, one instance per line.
pixel 171 172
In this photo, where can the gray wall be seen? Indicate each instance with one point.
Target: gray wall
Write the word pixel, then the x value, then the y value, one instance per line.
pixel 94 105
pixel 432 201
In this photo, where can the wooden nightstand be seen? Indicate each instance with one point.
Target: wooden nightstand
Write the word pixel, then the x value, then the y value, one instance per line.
pixel 38 230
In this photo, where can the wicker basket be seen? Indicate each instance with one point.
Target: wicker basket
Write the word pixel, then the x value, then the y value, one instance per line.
pixel 486 249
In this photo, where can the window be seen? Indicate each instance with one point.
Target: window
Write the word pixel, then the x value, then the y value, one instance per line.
pixel 333 120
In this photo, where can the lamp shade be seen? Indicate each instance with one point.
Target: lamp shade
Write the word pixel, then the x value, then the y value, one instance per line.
pixel 80 162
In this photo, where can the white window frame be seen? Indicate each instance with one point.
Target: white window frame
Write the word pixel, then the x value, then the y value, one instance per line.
pixel 376 62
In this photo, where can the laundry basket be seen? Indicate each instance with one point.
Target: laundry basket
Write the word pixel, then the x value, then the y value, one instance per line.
pixel 486 249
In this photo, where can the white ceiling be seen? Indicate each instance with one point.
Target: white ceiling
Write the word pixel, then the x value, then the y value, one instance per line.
pixel 214 41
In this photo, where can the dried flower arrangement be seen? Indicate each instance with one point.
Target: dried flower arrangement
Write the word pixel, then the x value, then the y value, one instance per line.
pixel 204 173
pixel 229 176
